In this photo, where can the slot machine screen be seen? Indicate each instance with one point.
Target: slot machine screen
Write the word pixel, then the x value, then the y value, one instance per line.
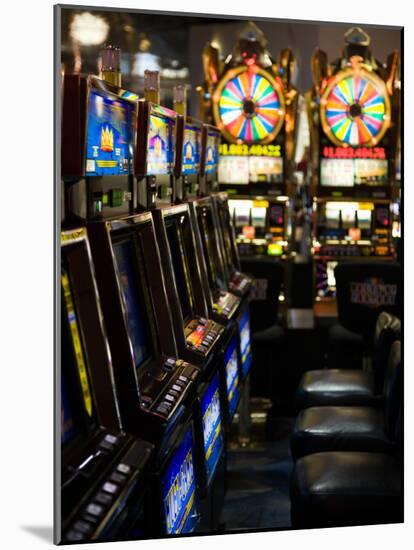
pixel 265 169
pixel 224 216
pixel 259 216
pixel 348 210
pixel 232 377
pixel 179 488
pixel 160 148
pixel 233 170
pixel 110 127
pixel 276 216
pixel 191 150
pixel 68 430
pixel 213 142
pixel 210 247
pixel 77 413
pixel 212 426
pixel 348 167
pixel 245 346
pixel 137 323
pixel 382 216
pixel 180 267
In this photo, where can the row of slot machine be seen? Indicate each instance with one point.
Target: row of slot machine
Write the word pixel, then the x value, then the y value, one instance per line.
pixel 351 167
pixel 154 320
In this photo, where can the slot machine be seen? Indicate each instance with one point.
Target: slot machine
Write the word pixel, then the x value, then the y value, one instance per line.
pixel 224 305
pixel 104 473
pixel 239 283
pixel 187 184
pixel 354 113
pixel 157 157
pixel 197 334
pixel 98 129
pixel 251 99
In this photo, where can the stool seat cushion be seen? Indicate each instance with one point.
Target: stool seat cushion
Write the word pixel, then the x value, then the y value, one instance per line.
pixel 319 429
pixel 335 387
pixel 346 488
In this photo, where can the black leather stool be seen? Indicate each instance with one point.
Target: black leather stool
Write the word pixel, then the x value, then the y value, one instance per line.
pixel 363 289
pixel 333 387
pixel 267 335
pixel 319 429
pixel 349 488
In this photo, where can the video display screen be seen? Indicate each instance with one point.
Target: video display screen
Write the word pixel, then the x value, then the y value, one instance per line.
pixel 191 150
pixel 351 172
pixel 245 346
pixel 160 146
pixel 179 489
pixel 233 170
pixel 333 211
pixel 265 169
pixel 276 215
pixel 213 142
pixel 210 247
pixel 109 148
pixel 227 236
pixel 180 267
pixel 232 377
pixel 212 427
pixel 137 324
pixel 382 216
pixel 241 164
pixel 68 430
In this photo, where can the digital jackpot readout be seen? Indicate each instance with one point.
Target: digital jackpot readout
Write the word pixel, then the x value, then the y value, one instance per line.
pixel 245 345
pixel 212 427
pixel 109 136
pixel 179 489
pixel 232 377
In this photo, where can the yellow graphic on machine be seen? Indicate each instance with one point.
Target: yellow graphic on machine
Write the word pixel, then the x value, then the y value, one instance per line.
pixel 178 494
pixel 74 330
pixel 211 422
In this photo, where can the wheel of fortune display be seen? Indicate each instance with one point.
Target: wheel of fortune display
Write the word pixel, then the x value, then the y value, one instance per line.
pixel 355 109
pixel 249 106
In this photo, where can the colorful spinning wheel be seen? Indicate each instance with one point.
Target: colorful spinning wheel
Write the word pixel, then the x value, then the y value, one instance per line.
pixel 249 106
pixel 355 109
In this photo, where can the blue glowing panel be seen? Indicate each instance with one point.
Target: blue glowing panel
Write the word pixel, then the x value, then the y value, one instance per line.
pixel 160 151
pixel 109 136
pixel 212 427
pixel 179 489
pixel 191 150
pixel 232 377
pixel 68 427
pixel 137 328
pixel 245 346
pixel 213 141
